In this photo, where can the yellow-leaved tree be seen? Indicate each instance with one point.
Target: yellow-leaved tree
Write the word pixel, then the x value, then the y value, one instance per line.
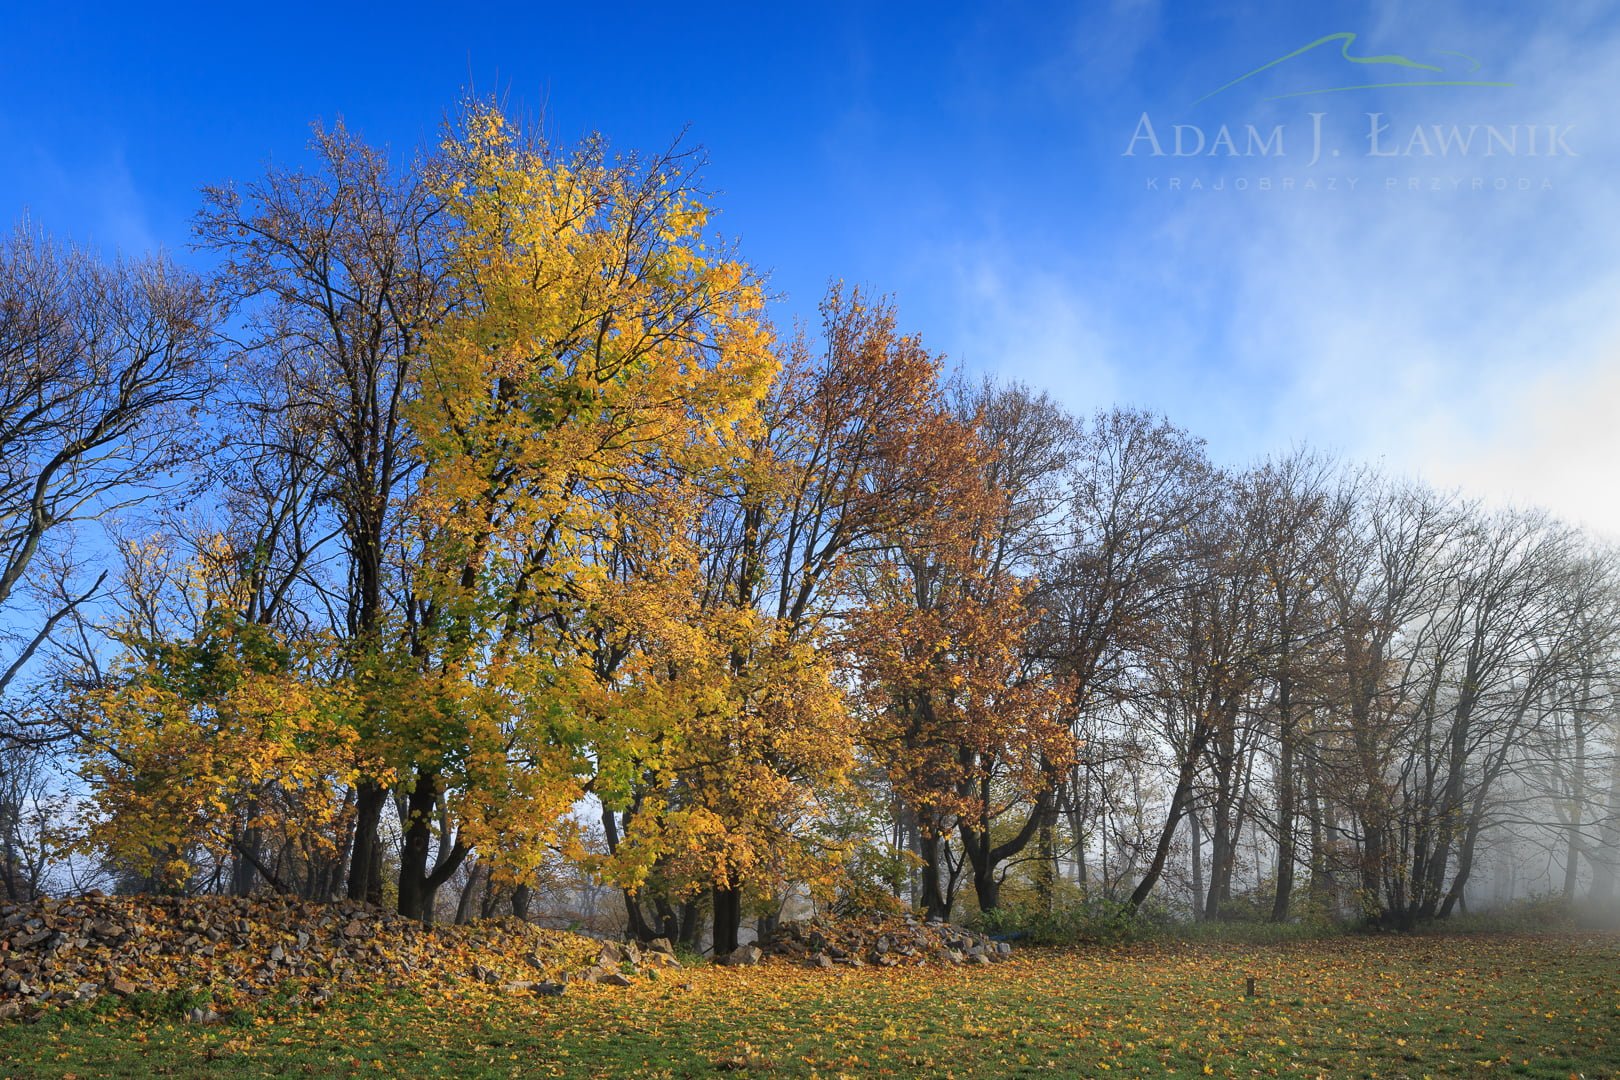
pixel 212 730
pixel 603 363
pixel 855 440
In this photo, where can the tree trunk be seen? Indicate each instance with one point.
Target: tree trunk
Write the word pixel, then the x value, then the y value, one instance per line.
pixel 986 857
pixel 464 906
pixel 690 924
pixel 1320 875
pixel 1372 866
pixel 413 856
pixel 636 919
pixel 1077 832
pixel 1197 866
pixel 1178 807
pixel 365 880
pixel 987 887
pixel 1572 859
pixel 1286 808
pixel 417 885
pixel 1222 846
pixel 1577 811
pixel 374 876
pixel 244 868
pixel 490 902
pixel 1606 865
pixel 1045 865
pixel 1231 761
pixel 727 920
pixel 1432 877
pixel 936 905
pixel 1465 868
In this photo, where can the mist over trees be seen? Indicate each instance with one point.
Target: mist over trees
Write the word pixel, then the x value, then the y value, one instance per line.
pixel 467 539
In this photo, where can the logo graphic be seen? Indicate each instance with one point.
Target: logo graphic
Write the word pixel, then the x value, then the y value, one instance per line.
pixel 1375 70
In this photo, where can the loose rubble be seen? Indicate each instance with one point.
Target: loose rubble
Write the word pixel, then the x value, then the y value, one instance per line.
pixel 883 941
pixel 234 952
pixel 241 950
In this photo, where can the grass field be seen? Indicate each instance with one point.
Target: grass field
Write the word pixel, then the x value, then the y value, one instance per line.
pixel 1546 1006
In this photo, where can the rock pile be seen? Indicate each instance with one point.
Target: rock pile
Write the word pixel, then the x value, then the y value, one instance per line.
pixel 240 950
pixel 617 961
pixel 882 940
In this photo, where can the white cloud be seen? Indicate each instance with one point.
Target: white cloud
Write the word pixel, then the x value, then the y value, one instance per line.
pixel 1553 441
pixel 1025 324
pixel 1472 338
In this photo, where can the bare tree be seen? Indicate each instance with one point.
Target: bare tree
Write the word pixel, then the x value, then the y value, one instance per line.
pixel 1136 487
pixel 341 273
pixel 1205 662
pixel 30 813
pixel 101 366
pixel 1300 513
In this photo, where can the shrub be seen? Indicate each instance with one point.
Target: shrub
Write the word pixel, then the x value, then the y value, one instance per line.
pixel 1538 914
pixel 1088 921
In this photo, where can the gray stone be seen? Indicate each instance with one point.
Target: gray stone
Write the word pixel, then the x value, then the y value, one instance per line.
pixel 745 956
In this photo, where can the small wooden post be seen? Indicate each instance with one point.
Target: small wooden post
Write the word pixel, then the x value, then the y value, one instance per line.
pixel 1248 987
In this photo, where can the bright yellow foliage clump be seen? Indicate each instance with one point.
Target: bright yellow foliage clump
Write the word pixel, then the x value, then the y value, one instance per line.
pixel 603 368
pixel 211 732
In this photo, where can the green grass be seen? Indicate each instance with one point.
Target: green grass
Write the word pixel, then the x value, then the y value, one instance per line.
pixel 1545 1006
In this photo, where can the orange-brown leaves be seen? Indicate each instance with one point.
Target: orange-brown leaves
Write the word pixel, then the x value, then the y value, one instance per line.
pixel 950 699
pixel 955 707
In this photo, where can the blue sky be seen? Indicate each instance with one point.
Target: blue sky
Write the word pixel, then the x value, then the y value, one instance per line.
pixel 972 162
